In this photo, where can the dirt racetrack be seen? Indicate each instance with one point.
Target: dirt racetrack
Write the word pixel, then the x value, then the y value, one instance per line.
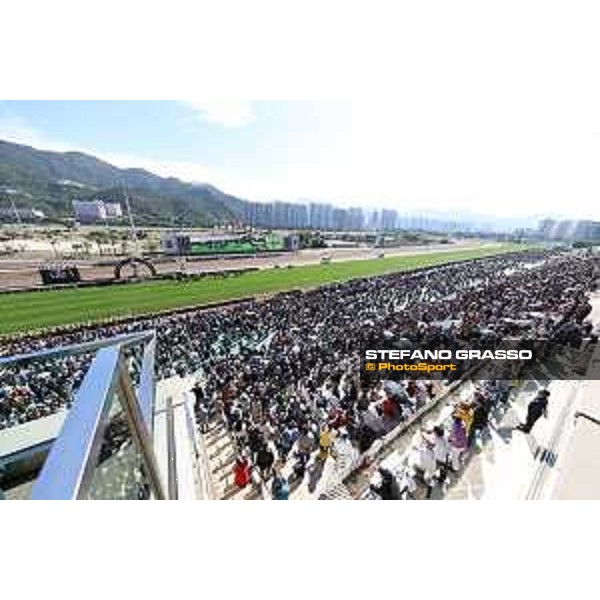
pixel 22 273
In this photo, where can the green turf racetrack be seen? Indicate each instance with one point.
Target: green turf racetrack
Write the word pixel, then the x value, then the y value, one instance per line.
pixel 27 311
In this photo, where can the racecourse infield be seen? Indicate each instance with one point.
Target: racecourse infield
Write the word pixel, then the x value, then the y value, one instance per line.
pixel 37 310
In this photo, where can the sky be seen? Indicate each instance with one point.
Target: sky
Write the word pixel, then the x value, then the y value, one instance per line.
pixel 526 144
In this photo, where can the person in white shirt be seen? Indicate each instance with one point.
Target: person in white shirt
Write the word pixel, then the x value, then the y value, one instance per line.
pixel 407 483
pixel 422 458
pixel 441 451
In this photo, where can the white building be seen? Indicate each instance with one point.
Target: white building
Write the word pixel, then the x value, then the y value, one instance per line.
pixel 89 211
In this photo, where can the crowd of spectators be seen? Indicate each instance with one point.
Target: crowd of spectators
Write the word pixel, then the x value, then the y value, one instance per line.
pixel 441 447
pixel 284 373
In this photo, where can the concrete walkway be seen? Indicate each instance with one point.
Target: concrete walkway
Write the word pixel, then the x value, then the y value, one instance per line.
pixel 510 464
pixel 559 459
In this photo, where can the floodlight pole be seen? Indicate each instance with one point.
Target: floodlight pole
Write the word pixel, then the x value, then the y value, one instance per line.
pixel 14 207
pixel 132 229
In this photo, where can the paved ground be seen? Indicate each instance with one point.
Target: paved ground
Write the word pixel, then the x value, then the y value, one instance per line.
pixel 512 465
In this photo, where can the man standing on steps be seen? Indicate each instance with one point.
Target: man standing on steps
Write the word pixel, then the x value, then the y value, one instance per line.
pixel 537 408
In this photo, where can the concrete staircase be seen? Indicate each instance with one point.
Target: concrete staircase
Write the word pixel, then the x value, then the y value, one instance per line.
pixel 221 454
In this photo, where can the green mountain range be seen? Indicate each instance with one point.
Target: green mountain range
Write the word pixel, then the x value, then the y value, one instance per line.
pixel 50 181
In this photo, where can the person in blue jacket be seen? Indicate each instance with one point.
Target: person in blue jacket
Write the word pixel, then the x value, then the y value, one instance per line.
pixel 280 488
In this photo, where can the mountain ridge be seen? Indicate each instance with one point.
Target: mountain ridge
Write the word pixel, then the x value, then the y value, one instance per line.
pixel 50 181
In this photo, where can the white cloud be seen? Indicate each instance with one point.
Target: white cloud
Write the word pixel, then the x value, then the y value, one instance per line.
pixel 184 170
pixel 228 113
pixel 17 130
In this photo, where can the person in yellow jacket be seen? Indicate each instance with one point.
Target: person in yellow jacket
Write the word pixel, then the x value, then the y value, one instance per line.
pixel 464 411
pixel 326 439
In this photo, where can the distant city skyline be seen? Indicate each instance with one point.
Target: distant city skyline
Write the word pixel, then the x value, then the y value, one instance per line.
pixel 326 216
pixel 521 161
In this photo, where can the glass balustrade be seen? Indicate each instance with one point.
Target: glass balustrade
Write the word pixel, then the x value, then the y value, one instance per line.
pixel 102 448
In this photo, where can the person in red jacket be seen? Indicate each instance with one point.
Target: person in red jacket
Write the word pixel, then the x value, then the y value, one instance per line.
pixel 389 409
pixel 241 472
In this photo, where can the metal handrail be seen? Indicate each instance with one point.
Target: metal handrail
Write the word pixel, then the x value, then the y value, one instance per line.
pixel 146 389
pixel 584 415
pixel 77 349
